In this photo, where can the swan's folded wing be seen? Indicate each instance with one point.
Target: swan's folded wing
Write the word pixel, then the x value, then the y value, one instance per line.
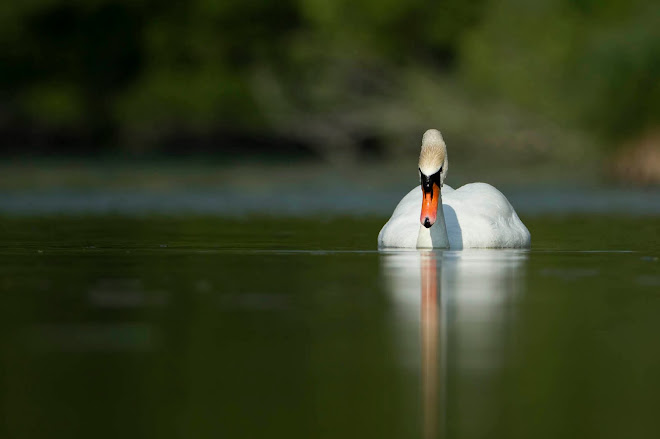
pixel 402 228
pixel 479 215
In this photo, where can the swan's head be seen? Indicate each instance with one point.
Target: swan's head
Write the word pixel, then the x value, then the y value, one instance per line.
pixel 432 172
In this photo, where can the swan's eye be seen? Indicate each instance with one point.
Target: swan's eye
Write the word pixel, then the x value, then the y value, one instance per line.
pixel 429 180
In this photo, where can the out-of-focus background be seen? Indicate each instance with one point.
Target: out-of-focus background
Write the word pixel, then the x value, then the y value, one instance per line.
pixel 523 91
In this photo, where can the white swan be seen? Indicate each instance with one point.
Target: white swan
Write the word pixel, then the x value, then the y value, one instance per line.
pixel 474 215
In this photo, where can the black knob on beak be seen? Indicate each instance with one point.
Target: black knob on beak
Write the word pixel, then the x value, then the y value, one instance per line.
pixel 427 223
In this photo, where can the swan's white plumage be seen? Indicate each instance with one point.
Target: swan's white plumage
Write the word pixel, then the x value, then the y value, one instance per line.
pixel 476 215
pixel 433 155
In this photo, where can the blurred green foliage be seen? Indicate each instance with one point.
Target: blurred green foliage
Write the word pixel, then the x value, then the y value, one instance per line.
pixel 328 73
pixel 595 63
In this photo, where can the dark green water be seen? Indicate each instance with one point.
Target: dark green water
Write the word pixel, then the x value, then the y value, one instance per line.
pixel 203 327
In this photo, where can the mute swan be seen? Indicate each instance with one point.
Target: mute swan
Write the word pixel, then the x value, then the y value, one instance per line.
pixel 474 215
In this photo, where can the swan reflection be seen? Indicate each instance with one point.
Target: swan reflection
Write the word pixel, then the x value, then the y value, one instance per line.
pixel 459 305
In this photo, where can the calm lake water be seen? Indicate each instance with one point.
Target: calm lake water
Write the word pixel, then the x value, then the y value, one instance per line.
pixel 271 327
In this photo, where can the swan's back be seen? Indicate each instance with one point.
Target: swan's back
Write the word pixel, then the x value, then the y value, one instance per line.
pixel 477 215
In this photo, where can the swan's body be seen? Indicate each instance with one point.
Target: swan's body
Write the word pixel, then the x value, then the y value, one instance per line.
pixel 473 216
pixel 476 215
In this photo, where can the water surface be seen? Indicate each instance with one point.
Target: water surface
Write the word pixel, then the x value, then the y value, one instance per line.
pixel 151 326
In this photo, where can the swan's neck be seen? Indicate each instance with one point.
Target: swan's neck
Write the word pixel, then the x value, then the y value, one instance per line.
pixel 437 239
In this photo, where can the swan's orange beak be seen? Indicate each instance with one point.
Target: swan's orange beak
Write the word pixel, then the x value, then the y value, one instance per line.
pixel 429 204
